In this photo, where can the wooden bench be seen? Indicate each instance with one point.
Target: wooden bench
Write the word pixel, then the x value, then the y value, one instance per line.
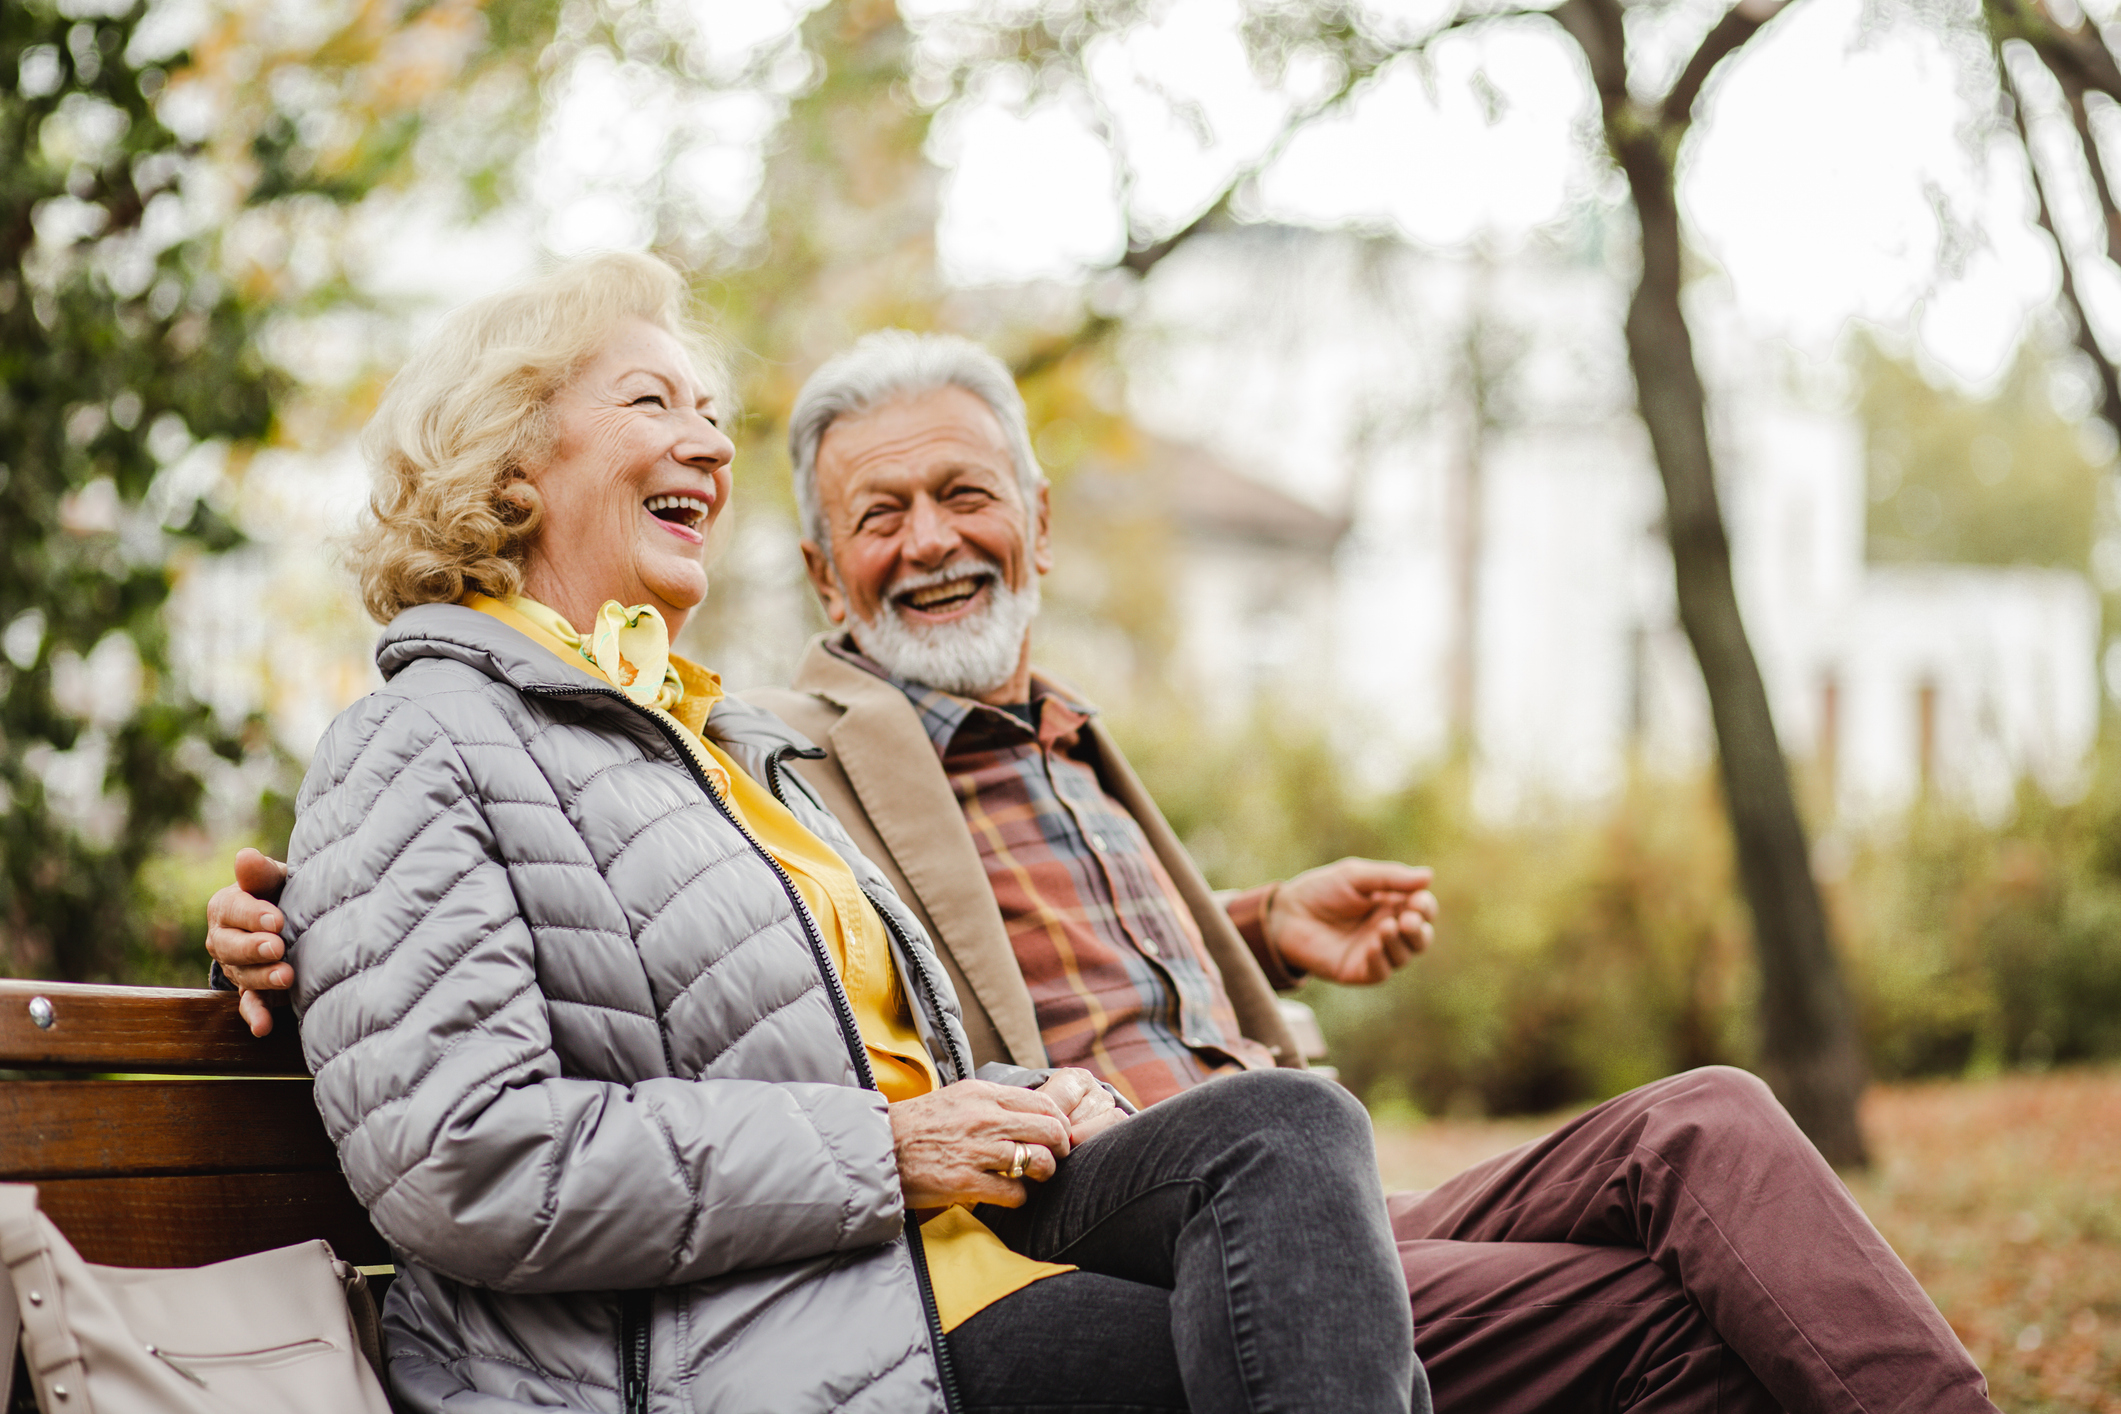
pixel 161 1133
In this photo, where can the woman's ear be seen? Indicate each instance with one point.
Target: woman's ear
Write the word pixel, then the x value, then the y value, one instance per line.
pixel 516 499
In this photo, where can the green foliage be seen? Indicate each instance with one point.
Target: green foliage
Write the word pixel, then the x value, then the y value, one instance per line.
pixel 2002 480
pixel 1585 953
pixel 1977 948
pixel 131 356
pixel 114 342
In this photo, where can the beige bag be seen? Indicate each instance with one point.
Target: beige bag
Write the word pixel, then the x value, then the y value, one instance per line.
pixel 282 1332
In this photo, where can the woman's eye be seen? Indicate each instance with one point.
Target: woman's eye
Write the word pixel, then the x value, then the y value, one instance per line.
pixel 654 399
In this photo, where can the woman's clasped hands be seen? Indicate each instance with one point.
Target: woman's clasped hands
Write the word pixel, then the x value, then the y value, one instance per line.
pixel 958 1144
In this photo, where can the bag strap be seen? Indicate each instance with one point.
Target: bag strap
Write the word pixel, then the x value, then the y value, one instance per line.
pixel 18 1203
pixel 361 1306
pixel 10 1335
pixel 50 1346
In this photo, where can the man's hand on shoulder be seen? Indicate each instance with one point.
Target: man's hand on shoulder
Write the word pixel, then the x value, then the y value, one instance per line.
pixel 1355 921
pixel 243 935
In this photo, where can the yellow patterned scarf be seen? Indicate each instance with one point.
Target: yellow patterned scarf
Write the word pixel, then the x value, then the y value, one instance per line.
pixel 627 647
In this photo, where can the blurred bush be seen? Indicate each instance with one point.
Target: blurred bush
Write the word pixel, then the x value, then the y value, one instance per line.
pixel 1586 952
pixel 1978 948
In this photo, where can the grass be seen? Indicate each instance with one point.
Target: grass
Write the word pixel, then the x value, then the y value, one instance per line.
pixel 2003 1197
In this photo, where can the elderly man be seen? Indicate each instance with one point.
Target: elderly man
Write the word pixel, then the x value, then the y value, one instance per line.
pixel 1681 1247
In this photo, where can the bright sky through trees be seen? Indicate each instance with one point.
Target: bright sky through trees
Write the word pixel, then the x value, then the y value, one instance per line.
pixel 1846 169
pixel 1817 180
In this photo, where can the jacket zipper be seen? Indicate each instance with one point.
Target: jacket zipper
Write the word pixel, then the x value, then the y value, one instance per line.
pixel 945 1369
pixel 920 971
pixel 945 1365
pixel 635 1307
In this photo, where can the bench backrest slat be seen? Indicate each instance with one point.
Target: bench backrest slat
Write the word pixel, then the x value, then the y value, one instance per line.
pixel 159 1030
pixel 191 1219
pixel 107 1128
pixel 158 1171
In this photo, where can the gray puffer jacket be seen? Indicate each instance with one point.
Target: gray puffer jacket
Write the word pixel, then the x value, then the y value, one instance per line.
pixel 584 1058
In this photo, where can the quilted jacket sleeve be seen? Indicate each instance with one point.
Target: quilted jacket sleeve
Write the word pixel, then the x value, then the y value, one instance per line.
pixel 423 1021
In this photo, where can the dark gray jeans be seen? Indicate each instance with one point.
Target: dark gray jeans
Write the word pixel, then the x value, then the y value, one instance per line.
pixel 1235 1257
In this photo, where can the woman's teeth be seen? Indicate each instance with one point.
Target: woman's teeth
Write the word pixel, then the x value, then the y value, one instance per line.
pixel 687 511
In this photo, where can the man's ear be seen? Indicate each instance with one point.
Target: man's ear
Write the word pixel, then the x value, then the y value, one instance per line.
pixel 1042 531
pixel 825 580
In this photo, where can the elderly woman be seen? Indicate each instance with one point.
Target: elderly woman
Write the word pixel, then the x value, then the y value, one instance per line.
pixel 640 1066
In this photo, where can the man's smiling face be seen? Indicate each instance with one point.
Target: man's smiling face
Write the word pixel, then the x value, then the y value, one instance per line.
pixel 930 533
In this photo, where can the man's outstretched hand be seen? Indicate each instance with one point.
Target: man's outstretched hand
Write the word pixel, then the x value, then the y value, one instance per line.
pixel 243 935
pixel 1354 921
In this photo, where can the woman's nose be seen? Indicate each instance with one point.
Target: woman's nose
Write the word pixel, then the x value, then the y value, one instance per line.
pixel 704 445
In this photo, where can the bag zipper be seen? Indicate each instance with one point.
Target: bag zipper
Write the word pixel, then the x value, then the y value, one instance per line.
pixel 850 1033
pixel 270 1357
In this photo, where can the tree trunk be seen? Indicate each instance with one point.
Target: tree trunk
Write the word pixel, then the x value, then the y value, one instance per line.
pixel 1467 518
pixel 1810 1053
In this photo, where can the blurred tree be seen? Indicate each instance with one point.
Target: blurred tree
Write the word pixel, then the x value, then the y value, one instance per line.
pixel 840 240
pixel 2002 480
pixel 2076 54
pixel 1488 353
pixel 112 343
pixel 1809 1049
pixel 128 337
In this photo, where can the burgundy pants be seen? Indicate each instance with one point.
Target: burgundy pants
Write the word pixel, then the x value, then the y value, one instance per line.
pixel 1683 1247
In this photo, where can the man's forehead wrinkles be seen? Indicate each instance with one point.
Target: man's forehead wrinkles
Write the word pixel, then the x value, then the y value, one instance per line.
pixel 914 441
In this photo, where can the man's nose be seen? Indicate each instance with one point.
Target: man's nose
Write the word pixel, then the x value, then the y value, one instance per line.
pixel 931 537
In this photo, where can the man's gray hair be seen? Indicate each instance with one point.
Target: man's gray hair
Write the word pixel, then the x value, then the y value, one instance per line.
pixel 897 363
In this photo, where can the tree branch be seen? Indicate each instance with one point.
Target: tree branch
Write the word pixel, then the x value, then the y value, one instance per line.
pixel 2078 52
pixel 1143 254
pixel 2086 340
pixel 2080 115
pixel 1598 29
pixel 1739 24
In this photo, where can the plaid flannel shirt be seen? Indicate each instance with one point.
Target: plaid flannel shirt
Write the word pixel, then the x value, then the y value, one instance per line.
pixel 1121 981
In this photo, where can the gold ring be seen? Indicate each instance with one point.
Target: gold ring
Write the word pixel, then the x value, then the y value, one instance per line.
pixel 1016 1170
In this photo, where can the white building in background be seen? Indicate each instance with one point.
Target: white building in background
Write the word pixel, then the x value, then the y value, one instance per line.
pixel 1249 576
pixel 1337 364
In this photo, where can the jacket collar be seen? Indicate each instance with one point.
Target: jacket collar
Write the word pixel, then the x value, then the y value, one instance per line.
pixel 834 669
pixel 845 684
pixel 483 642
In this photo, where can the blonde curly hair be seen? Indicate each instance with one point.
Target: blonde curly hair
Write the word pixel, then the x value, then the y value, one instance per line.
pixel 452 511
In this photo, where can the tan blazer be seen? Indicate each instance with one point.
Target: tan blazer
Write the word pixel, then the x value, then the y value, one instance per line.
pixel 880 776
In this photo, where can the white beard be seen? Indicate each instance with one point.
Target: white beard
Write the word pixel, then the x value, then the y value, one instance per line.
pixel 971 657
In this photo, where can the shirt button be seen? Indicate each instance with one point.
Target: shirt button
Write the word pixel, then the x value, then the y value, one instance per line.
pixel 1149 946
pixel 1097 842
